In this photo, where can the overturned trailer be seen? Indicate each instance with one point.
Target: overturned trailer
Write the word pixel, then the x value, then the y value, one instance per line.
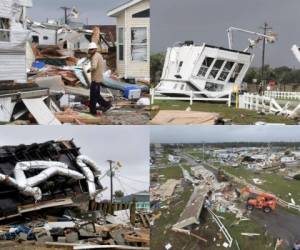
pixel 202 71
pixel 42 175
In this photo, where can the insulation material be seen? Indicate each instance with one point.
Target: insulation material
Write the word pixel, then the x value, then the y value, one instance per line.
pixel 49 169
pixel 40 111
pixel 86 164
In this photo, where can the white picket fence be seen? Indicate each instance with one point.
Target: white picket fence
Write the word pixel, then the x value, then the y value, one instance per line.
pixel 259 103
pixel 190 96
pixel 223 229
pixel 283 95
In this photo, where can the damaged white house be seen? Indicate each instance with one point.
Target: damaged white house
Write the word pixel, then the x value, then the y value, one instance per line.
pixel 213 71
pixel 133 39
pixel 13 37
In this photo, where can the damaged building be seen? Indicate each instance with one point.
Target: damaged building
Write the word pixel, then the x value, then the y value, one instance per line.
pixel 13 38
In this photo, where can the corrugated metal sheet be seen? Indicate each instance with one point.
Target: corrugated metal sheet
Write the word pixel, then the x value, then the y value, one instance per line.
pixel 40 111
pixel 6 109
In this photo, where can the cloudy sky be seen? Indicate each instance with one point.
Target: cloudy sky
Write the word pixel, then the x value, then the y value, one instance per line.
pixel 199 134
pixel 129 145
pixel 207 21
pixel 93 11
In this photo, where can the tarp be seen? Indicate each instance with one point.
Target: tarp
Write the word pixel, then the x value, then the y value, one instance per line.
pixel 115 84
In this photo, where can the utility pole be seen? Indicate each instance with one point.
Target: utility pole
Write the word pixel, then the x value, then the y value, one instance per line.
pixel 265 28
pixel 111 180
pixel 65 9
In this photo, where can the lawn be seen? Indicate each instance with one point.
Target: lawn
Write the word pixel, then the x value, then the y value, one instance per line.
pixel 162 233
pixel 238 116
pixel 274 183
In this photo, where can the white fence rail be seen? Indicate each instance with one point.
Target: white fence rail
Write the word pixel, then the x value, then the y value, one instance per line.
pixel 185 96
pixel 259 103
pixel 283 95
pixel 223 229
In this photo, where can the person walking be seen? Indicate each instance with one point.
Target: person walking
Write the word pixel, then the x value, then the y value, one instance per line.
pixel 97 70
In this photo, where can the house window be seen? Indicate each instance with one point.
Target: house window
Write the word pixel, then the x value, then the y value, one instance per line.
pixel 226 70
pixel 45 37
pixel 205 66
pixel 121 43
pixel 35 39
pixel 139 44
pixel 142 14
pixel 236 72
pixel 4 29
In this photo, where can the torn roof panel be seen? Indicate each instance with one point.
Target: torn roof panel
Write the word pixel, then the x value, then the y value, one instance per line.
pixel 191 213
pixel 40 111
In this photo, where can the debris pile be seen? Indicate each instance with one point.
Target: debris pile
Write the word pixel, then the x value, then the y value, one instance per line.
pixel 51 194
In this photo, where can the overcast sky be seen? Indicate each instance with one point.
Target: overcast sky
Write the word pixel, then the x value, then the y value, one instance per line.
pixel 127 144
pixel 93 10
pixel 199 134
pixel 207 20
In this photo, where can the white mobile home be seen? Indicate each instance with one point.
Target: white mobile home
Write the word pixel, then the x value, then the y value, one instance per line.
pixel 133 39
pixel 13 37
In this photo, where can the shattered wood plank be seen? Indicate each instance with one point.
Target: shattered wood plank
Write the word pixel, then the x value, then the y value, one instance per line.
pixel 47 204
pixel 82 247
pixel 187 232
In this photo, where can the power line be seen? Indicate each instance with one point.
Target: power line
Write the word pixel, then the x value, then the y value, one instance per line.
pixel 133 179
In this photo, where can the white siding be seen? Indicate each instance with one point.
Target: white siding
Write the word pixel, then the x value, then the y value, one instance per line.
pixel 12 54
pixel 5 8
pixel 129 68
pixel 13 66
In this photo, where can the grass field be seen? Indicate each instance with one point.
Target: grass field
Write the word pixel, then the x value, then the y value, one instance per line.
pixel 273 183
pixel 208 229
pixel 238 116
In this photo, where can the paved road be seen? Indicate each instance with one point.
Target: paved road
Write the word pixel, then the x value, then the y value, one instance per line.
pixel 280 223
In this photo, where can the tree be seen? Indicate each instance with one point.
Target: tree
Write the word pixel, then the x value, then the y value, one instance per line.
pixel 156 67
pixel 119 194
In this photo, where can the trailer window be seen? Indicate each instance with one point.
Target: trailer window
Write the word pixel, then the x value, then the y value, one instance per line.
pixel 4 29
pixel 236 72
pixel 214 87
pixel 226 70
pixel 205 66
pixel 215 70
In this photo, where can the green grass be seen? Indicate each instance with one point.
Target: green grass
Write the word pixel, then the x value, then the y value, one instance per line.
pixel 169 172
pixel 238 116
pixel 273 183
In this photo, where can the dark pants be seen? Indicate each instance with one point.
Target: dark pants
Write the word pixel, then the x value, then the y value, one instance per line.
pixel 95 98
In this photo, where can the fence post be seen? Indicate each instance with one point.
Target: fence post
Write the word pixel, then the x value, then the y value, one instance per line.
pixel 191 98
pixel 152 93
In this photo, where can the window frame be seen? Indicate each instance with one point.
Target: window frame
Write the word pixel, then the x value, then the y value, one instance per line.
pixel 121 44
pixel 6 30
pixel 145 44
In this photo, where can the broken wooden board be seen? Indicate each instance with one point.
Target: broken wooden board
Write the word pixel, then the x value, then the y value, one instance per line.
pixel 73 117
pixel 178 117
